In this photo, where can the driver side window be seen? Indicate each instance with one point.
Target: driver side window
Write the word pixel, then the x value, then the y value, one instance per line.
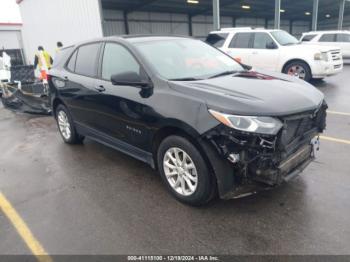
pixel 263 41
pixel 116 60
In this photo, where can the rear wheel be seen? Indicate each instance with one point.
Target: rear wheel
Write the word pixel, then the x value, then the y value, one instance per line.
pixel 184 171
pixel 298 69
pixel 66 126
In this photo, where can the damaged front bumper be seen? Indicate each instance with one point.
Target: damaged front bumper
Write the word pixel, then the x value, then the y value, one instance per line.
pixel 258 162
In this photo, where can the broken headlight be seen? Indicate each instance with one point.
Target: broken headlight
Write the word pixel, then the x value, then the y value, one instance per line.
pixel 254 124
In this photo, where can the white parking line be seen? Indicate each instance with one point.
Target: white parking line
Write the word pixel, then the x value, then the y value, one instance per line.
pixel 333 139
pixel 338 113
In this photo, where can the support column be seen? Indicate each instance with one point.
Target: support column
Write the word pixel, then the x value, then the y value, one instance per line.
pixel 277 14
pixel 216 14
pixel 341 14
pixel 100 9
pixel 266 23
pixel 314 16
pixel 126 24
pixel 190 29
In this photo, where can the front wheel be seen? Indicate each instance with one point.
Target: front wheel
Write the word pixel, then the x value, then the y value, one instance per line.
pixel 66 126
pixel 184 171
pixel 298 69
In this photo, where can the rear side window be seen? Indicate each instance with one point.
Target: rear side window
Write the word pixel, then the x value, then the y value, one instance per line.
pixel 241 40
pixel 345 38
pixel 308 38
pixel 216 40
pixel 61 55
pixel 262 41
pixel 86 61
pixel 116 60
pixel 72 60
pixel 327 38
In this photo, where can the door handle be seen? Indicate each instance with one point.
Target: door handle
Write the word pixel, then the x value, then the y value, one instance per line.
pixel 255 53
pixel 100 88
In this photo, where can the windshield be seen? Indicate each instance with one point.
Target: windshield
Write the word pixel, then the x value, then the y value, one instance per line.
pixel 283 38
pixel 186 59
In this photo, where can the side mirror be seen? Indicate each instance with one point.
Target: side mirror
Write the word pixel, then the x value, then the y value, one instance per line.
pixel 246 67
pixel 129 79
pixel 271 45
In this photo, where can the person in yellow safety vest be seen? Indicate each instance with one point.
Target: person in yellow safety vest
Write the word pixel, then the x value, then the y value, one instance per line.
pixel 38 59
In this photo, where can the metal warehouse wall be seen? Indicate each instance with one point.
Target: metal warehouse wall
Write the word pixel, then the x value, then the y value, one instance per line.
pixel 171 23
pixel 332 23
pixel 202 25
pixel 158 23
pixel 144 23
pixel 49 21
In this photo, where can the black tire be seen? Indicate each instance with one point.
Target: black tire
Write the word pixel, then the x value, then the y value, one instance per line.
pixel 205 189
pixel 74 137
pixel 302 65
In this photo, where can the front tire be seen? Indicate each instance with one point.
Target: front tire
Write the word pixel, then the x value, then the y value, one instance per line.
pixel 299 69
pixel 184 171
pixel 66 126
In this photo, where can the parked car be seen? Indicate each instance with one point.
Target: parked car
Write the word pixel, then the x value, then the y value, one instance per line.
pixel 207 123
pixel 276 50
pixel 340 39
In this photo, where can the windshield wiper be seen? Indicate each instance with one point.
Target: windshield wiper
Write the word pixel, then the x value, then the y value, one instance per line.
pixel 230 72
pixel 185 79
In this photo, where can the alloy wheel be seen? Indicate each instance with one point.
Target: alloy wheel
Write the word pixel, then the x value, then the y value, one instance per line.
pixel 180 171
pixel 297 71
pixel 64 125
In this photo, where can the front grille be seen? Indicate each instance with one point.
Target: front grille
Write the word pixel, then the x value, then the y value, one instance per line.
pixel 337 66
pixel 299 127
pixel 335 55
pixel 295 128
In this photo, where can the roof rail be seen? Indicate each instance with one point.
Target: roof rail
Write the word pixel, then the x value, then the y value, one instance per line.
pixel 240 28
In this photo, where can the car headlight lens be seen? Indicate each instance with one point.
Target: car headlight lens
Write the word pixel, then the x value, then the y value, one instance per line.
pixel 321 56
pixel 254 124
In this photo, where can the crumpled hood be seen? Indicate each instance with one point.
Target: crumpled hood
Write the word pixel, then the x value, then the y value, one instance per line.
pixel 254 93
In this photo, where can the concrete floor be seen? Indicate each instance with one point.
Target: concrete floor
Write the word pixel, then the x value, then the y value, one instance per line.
pixel 93 200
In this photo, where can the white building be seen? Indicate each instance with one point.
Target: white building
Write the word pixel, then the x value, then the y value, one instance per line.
pixel 49 21
pixel 11 41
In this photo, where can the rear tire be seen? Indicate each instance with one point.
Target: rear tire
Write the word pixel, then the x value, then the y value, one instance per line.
pixel 299 69
pixel 66 126
pixel 184 171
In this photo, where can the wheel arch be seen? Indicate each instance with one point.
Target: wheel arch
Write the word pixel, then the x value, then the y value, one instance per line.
pixel 176 128
pixel 57 101
pixel 296 60
pixel 219 168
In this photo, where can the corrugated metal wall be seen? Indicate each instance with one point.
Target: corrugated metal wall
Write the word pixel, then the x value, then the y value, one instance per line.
pixel 144 23
pixel 69 21
pixel 202 25
pixel 332 23
pixel 168 23
pixel 158 23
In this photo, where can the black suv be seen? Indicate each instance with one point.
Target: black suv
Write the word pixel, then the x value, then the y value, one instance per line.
pixel 210 125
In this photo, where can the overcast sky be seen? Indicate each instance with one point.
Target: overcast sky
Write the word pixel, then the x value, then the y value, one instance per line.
pixel 9 12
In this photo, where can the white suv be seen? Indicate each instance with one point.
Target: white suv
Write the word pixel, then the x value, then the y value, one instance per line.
pixel 277 50
pixel 340 39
